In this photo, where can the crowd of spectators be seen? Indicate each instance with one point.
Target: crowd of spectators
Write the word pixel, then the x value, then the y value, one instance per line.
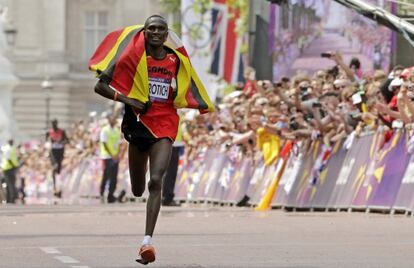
pixel 330 105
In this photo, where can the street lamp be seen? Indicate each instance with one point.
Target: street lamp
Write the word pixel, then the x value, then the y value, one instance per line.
pixel 10 33
pixel 9 28
pixel 47 86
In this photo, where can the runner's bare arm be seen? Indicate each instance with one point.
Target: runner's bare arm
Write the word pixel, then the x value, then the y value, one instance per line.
pixel 104 90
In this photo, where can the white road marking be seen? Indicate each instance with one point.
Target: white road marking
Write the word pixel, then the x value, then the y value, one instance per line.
pixel 66 259
pixel 49 250
pixel 81 267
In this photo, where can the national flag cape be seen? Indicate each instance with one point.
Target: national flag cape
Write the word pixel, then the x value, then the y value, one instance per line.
pixel 121 60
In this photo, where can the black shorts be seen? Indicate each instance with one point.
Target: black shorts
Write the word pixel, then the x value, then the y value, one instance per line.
pixel 136 133
pixel 56 157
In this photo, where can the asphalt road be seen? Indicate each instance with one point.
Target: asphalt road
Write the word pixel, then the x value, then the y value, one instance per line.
pixel 75 236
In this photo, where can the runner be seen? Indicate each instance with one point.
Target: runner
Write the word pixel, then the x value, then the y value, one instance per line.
pixel 152 79
pixel 58 138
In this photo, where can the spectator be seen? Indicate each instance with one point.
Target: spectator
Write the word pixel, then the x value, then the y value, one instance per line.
pixel 250 87
pixel 110 139
pixel 9 166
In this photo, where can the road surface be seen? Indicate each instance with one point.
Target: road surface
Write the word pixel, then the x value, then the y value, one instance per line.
pixel 82 236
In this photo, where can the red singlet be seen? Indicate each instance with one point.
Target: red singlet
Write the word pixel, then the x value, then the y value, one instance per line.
pixel 161 119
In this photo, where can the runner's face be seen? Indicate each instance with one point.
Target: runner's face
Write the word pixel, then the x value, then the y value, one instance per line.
pixel 156 32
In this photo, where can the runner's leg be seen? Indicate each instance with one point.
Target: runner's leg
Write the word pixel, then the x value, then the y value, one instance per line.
pixel 138 161
pixel 160 153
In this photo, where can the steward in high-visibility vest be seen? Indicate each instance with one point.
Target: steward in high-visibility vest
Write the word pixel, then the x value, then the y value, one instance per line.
pixel 9 159
pixel 110 139
pixel 9 165
pixel 109 142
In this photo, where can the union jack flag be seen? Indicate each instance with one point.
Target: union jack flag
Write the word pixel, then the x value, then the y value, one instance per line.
pixel 226 59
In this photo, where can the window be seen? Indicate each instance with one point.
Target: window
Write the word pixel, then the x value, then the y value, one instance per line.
pixel 95 29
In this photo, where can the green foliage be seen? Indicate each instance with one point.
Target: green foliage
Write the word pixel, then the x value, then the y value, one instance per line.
pixel 201 6
pixel 171 6
pixel 242 25
pixel 228 88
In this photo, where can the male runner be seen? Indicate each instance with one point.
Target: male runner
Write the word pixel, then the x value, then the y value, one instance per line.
pixel 152 80
pixel 58 138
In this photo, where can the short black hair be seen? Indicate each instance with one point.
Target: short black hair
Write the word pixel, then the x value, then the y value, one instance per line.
pixel 155 16
pixel 355 62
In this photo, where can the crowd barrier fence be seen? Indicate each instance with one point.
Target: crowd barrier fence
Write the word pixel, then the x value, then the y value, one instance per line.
pixel 370 174
pixel 373 173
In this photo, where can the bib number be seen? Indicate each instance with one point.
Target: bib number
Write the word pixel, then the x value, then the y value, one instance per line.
pixel 159 89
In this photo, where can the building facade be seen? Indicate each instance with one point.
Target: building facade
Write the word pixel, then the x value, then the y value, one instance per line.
pixel 53 41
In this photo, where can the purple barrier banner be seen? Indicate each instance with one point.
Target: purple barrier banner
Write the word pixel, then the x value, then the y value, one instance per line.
pixel 328 177
pixel 392 167
pixel 217 171
pixel 269 175
pixel 316 177
pixel 183 182
pixel 405 195
pixel 258 174
pixel 211 157
pixel 198 174
pixel 302 179
pixel 224 180
pixel 371 173
pixel 240 181
pixel 353 168
pixel 293 166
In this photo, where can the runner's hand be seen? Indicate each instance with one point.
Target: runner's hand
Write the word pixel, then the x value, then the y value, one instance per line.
pixel 136 104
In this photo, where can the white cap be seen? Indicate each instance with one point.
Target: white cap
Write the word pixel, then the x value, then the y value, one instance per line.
pixel 396 82
pixel 262 101
pixel 235 94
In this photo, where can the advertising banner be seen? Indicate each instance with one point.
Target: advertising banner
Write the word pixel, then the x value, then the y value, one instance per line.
pixel 372 173
pixel 300 32
pixel 269 174
pixel 292 168
pixel 353 169
pixel 257 179
pixel 302 180
pixel 328 177
pixel 392 167
pixel 217 171
pixel 405 195
pixel 182 185
pixel 240 182
pixel 199 191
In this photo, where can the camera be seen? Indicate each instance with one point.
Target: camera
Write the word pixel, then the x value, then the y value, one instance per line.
pixel 293 125
pixel 316 105
pixel 334 71
pixel 326 55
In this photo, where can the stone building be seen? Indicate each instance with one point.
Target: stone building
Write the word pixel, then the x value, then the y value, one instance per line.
pixel 50 42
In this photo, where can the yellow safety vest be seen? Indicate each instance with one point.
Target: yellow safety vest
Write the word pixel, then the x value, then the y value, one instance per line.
pixel 5 164
pixel 113 137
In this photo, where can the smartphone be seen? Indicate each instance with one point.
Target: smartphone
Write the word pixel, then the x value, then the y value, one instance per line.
pixel 316 105
pixel 326 55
